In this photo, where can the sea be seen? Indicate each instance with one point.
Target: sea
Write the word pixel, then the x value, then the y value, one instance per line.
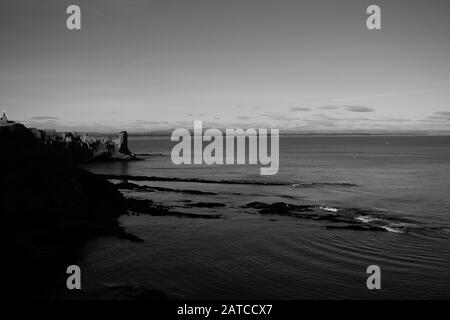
pixel 338 205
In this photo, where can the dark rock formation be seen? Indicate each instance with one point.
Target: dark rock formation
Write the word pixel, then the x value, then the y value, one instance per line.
pixel 280 208
pixel 206 205
pixel 123 143
pixel 47 205
pixel 148 207
pixel 194 180
pixel 133 186
pixel 356 219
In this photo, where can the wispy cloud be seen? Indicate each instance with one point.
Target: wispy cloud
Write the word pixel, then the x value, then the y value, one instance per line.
pixel 243 117
pixel 351 108
pixel 44 118
pixel 358 109
pixel 442 114
pixel 145 122
pixel 195 114
pixel 439 116
pixel 299 109
pixel 277 116
pixel 328 107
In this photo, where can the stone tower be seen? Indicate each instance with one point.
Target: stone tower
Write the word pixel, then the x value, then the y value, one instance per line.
pixel 123 142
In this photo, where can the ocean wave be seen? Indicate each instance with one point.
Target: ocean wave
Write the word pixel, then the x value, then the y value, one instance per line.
pixel 366 219
pixel 335 210
pixel 394 230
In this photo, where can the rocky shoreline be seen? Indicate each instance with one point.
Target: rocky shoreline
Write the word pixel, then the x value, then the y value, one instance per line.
pixel 49 208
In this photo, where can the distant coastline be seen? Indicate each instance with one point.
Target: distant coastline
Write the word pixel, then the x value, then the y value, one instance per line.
pixel 316 134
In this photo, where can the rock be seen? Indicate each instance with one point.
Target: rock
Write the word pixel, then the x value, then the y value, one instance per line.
pixel 133 186
pixel 47 207
pixel 148 207
pixel 206 205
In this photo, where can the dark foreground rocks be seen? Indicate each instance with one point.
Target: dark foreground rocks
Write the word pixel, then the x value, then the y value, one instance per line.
pixel 148 207
pixel 48 206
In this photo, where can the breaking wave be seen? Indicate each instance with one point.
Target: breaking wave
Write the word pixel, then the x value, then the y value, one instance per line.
pixel 344 218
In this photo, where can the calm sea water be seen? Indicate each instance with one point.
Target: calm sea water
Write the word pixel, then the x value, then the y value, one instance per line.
pixel 396 183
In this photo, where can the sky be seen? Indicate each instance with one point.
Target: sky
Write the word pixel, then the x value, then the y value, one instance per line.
pixel 306 66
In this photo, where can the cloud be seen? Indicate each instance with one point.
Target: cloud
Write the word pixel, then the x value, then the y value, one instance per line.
pixel 434 120
pixel 348 108
pixel 44 118
pixel 277 116
pixel 328 107
pixel 195 114
pixel 299 109
pixel 358 109
pixel 44 122
pixel 144 122
pixel 441 115
pixel 243 118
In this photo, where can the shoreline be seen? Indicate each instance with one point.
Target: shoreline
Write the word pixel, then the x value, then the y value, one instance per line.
pixel 51 207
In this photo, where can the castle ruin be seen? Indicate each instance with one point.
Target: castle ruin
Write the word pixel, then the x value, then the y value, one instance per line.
pixel 86 147
pixel 82 146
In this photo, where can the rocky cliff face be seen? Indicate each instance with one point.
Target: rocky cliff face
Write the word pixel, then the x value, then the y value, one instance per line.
pixel 47 206
pixel 34 178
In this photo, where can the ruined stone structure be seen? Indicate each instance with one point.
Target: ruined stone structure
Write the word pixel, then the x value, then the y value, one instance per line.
pixel 122 142
pixel 84 146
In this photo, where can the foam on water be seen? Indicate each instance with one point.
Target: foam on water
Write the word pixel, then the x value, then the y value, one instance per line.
pixel 366 219
pixel 335 210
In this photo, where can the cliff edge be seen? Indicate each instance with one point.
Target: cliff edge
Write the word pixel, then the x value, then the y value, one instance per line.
pixel 47 206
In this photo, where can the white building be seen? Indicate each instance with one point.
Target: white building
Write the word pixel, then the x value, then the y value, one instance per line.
pixel 4 118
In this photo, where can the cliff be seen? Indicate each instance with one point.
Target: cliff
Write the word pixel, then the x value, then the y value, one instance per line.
pixel 47 206
pixel 87 147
